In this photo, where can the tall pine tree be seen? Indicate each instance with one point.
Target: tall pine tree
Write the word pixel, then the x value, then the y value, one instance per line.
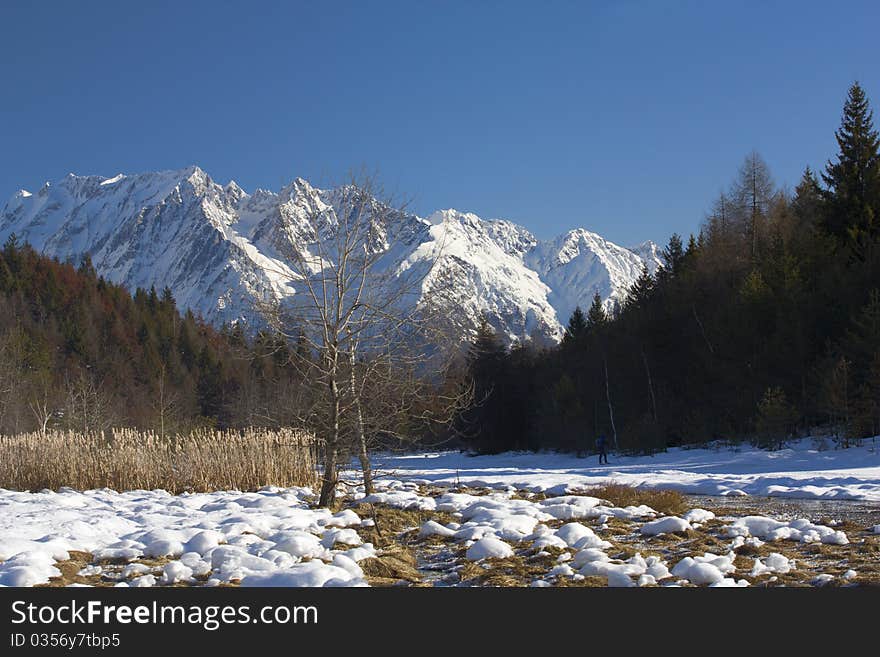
pixel 577 327
pixel 596 317
pixel 853 197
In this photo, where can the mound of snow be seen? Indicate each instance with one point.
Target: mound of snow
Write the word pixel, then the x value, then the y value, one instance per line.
pixel 432 528
pixel 588 555
pixel 312 573
pixel 707 569
pixel 773 563
pixel 574 532
pixel 667 525
pixel 487 548
pixel 822 579
pixel 298 544
pixel 345 536
pixel 698 515
pixel 203 541
pixel 346 518
pixel 571 507
pixel 797 530
pixel 174 572
pixel 28 569
pixel 164 547
pixel 696 572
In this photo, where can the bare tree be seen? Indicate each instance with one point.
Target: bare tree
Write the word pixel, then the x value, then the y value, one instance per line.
pixel 753 192
pixel 359 317
pixel 41 400
pixel 87 406
pixel 165 404
pixel 8 374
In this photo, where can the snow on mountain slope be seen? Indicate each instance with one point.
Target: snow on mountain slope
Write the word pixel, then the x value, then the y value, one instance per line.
pixel 579 264
pixel 651 255
pixel 223 252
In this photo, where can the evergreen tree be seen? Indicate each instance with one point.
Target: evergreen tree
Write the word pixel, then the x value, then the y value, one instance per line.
pixel 485 422
pixel 640 293
pixel 807 201
pixel 577 327
pixel 775 418
pixel 596 317
pixel 854 179
pixel 673 256
pixel 690 253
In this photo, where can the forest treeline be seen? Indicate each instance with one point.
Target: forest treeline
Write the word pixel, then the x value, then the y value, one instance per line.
pixel 80 353
pixel 763 326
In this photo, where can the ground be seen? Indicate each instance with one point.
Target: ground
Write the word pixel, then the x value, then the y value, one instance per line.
pixel 445 519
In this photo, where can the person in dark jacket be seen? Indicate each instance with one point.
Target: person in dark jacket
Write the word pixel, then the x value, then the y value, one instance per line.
pixel 602 446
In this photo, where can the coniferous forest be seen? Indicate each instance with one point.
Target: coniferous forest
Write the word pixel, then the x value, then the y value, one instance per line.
pixel 763 326
pixel 79 353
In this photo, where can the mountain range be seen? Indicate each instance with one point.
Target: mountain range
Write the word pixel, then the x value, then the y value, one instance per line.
pixel 220 250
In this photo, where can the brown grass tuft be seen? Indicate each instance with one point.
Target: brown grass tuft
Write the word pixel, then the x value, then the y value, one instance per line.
pixel 668 502
pixel 390 567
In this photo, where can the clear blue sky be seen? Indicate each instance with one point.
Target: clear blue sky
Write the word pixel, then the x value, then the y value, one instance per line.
pixel 623 117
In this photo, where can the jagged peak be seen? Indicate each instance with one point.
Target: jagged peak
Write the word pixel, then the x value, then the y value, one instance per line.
pixel 112 181
pixel 451 214
pixel 234 188
pixel 196 175
pixel 579 234
pixel 647 244
pixel 298 187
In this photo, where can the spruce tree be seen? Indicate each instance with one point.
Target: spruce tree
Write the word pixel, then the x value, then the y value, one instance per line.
pixel 485 421
pixel 691 251
pixel 577 327
pixel 853 196
pixel 673 257
pixel 807 200
pixel 596 317
pixel 640 292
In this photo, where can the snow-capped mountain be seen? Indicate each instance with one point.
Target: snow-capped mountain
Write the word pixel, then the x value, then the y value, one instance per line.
pixel 221 250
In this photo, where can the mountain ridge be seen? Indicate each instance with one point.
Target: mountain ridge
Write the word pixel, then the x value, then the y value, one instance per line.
pixel 219 249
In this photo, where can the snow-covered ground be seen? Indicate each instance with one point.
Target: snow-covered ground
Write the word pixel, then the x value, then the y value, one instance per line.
pixel 273 537
pixel 801 471
pixel 268 537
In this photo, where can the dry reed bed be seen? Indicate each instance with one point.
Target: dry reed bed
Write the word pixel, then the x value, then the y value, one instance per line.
pixel 126 459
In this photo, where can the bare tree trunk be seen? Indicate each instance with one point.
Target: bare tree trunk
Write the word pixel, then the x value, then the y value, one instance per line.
pixel 360 434
pixel 40 409
pixel 331 450
pixel 162 401
pixel 650 386
pixel 702 330
pixel 610 407
pixel 328 483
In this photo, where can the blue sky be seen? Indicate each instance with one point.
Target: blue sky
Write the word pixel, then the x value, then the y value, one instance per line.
pixel 623 117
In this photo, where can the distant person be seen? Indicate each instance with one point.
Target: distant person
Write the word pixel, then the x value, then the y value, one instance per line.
pixel 602 446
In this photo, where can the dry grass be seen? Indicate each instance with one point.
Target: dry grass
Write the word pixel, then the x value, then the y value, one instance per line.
pixel 70 571
pixel 125 459
pixel 391 522
pixel 506 572
pixel 668 502
pixel 390 567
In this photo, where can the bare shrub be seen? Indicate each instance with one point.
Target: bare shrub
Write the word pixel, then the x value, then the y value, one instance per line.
pixel 666 501
pixel 126 459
